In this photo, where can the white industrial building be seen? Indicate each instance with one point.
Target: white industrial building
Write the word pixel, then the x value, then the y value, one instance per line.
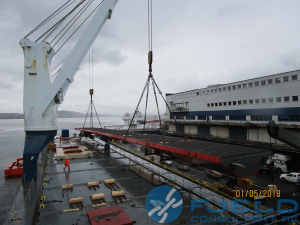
pixel 238 110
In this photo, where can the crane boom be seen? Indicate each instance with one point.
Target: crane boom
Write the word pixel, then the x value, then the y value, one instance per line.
pixel 67 72
pixel 41 96
pixel 283 135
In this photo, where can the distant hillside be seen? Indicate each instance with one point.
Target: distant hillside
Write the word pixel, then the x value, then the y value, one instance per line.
pixel 11 116
pixel 60 114
pixel 69 114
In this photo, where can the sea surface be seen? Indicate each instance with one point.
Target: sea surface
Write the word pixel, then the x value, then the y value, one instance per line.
pixel 12 138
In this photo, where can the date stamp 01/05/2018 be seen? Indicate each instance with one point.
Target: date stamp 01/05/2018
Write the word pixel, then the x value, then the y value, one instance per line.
pixel 257 193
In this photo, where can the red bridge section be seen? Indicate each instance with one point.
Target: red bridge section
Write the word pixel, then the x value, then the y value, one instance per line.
pixel 196 152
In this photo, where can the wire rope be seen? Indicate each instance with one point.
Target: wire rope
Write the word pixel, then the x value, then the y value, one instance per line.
pixel 59 63
pixel 83 8
pixel 78 27
pixel 56 25
pixel 49 18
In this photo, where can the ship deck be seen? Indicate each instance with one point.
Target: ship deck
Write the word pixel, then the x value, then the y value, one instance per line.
pixel 98 169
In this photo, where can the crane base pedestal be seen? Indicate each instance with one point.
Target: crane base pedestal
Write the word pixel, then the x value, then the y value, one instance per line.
pixel 35 141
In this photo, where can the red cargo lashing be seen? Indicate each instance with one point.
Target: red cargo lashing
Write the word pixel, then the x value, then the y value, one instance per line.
pixel 71 147
pixel 114 215
pixel 72 151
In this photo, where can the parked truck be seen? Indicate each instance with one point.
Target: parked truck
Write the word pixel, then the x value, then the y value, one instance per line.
pixel 280 163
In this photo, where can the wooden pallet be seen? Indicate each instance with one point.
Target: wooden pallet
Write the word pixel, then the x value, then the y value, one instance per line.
pixel 111 184
pixel 97 198
pixel 119 196
pixel 77 200
pixel 93 184
pixel 66 187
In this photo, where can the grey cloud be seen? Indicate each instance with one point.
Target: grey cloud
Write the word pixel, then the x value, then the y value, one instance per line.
pixel 228 10
pixel 5 85
pixel 114 57
pixel 291 60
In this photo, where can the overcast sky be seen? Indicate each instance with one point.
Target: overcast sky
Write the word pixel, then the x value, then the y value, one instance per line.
pixel 195 44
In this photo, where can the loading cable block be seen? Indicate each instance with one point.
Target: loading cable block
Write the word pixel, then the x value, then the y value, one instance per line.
pixel 119 195
pixel 66 187
pixel 111 184
pixel 96 199
pixel 93 184
pixel 77 200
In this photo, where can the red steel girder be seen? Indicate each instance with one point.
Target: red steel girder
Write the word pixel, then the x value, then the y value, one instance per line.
pixel 164 147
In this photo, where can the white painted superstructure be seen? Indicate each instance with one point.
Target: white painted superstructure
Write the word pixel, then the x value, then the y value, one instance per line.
pixel 244 103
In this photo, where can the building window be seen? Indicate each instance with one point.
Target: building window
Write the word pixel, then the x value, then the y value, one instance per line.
pixel 215 90
pixel 237 118
pixel 256 83
pixel 181 106
pixel 244 85
pixel 250 84
pixel 229 88
pixel 234 102
pixel 270 100
pixel 220 89
pixel 218 117
pixel 285 79
pixel 278 99
pixel 251 101
pixel 286 99
pixel 233 87
pixel 270 81
pixel 224 103
pixel 216 104
pixel 224 88
pixel 229 103
pixel 201 117
pixel 263 82
pixel 256 101
pixel 239 86
pixel 294 77
pixel 263 100
pixel 245 102
pixel 295 98
pixel 261 118
pixel 220 103
pixel 179 117
pixel 207 104
pixel 293 118
pixel 239 102
pixel 212 104
pixel 190 117
pixel 277 80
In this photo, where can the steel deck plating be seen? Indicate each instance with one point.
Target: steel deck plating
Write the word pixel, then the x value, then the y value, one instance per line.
pixel 194 151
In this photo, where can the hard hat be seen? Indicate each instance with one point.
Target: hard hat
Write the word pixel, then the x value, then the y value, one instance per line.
pixel 66 157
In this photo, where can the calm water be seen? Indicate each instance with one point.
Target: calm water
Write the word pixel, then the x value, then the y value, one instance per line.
pixel 12 137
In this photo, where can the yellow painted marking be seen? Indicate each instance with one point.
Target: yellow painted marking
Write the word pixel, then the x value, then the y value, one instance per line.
pixel 45 184
pixel 42 206
pixel 43 197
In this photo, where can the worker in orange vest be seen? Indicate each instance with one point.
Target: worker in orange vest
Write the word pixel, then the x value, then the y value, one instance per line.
pixel 67 163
